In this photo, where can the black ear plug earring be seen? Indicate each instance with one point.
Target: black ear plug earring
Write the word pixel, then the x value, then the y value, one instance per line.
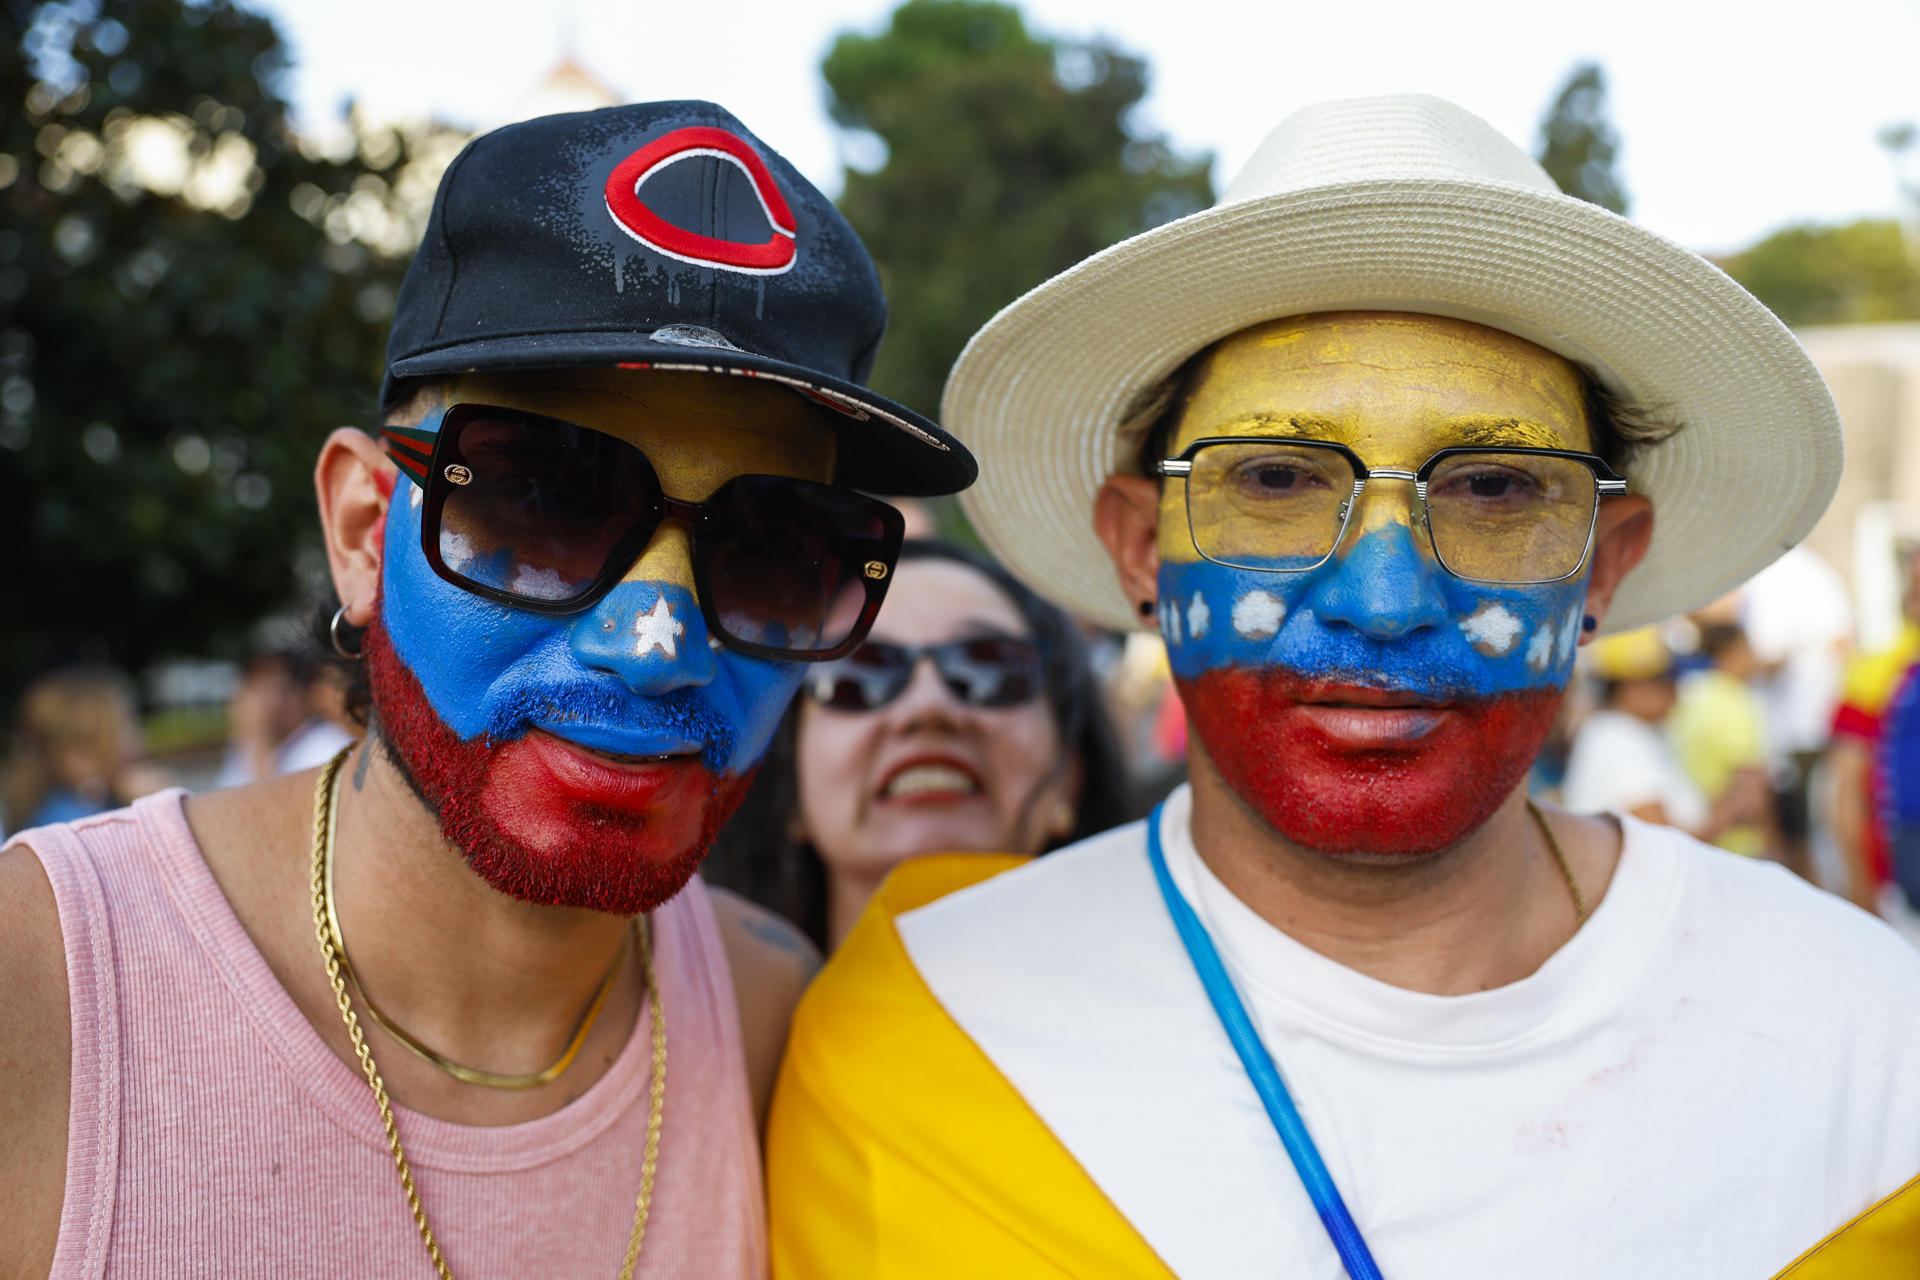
pixel 1146 608
pixel 1590 623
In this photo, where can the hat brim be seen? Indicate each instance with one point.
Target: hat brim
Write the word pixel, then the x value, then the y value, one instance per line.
pixel 884 447
pixel 1039 392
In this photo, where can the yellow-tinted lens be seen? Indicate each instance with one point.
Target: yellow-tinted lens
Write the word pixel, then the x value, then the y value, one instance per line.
pixel 1511 517
pixel 1267 505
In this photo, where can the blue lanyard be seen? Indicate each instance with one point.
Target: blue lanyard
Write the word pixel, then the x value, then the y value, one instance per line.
pixel 1261 1071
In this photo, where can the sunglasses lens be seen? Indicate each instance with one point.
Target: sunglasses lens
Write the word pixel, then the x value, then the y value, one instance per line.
pixel 997 671
pixel 869 677
pixel 535 507
pixel 790 563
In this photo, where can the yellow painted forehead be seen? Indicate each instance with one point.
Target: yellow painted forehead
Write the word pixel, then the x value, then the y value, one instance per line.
pixel 1395 386
pixel 698 429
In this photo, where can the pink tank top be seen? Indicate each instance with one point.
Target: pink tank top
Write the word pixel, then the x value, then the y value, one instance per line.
pixel 212 1132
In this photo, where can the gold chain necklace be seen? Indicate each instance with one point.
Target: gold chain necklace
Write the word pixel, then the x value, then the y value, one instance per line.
pixel 1566 869
pixel 460 1071
pixel 326 799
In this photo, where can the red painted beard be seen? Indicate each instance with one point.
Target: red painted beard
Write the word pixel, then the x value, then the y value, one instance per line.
pixel 1326 782
pixel 542 821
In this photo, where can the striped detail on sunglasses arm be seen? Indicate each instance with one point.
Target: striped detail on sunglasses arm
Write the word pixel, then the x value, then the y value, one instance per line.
pixel 410 449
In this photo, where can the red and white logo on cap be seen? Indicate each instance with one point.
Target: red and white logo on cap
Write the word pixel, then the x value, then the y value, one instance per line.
pixel 631 213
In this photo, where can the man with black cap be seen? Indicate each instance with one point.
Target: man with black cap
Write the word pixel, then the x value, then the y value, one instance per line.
pixel 455 1001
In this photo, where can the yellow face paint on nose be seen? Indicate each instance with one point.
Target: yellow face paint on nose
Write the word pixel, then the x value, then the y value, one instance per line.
pixel 699 430
pixel 1395 387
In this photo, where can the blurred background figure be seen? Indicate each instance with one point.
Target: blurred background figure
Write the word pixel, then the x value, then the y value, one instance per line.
pixel 76 750
pixel 1719 732
pixel 969 721
pixel 1857 790
pixel 1622 760
pixel 1896 771
pixel 284 716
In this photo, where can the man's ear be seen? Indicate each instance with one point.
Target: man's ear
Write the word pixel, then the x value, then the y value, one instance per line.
pixel 354 483
pixel 1126 515
pixel 1620 539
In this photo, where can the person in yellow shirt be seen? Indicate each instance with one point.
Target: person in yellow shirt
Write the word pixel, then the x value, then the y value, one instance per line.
pixel 1719 729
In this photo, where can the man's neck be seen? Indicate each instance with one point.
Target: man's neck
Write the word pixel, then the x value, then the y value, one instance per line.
pixel 483 978
pixel 479 977
pixel 1484 913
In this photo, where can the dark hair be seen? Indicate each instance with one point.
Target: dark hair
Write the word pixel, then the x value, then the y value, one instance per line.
pixel 1718 637
pixel 356 689
pixel 762 855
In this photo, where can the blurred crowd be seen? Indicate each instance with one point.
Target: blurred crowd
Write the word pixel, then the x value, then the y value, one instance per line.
pixel 1759 726
pixel 979 717
pixel 78 747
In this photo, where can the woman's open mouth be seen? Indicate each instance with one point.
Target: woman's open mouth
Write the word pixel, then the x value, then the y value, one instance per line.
pixel 931 780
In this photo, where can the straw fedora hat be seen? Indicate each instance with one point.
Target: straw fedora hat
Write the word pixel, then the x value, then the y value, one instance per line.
pixel 1413 204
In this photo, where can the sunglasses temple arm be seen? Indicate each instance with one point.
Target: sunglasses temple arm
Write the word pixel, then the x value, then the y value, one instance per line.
pixel 411 450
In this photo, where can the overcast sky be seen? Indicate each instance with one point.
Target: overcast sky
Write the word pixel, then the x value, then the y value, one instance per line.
pixel 1736 119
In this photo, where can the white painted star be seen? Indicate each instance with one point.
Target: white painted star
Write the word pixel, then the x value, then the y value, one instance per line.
pixel 1570 632
pixel 657 629
pixel 1198 615
pixel 1492 629
pixel 1257 615
pixel 1540 650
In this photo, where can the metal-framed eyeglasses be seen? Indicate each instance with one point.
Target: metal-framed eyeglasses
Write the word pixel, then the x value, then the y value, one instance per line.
pixel 1499 514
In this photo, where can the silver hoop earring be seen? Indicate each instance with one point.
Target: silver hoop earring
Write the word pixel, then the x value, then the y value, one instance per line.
pixel 333 634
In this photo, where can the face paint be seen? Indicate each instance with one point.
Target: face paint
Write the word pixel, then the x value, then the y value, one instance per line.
pixel 585 760
pixel 1376 704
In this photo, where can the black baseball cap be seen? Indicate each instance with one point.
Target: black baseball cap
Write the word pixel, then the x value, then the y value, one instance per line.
pixel 659 235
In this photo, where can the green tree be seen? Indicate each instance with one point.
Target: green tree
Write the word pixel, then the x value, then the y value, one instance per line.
pixel 1861 271
pixel 1578 142
pixel 1008 158
pixel 189 301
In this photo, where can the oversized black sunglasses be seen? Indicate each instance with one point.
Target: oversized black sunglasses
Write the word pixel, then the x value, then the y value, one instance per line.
pixel 547 515
pixel 988 671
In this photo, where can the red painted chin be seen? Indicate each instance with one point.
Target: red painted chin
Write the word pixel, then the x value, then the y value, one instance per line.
pixel 1351 779
pixel 545 821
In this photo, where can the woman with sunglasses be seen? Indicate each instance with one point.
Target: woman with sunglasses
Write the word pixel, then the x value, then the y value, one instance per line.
pixel 969 720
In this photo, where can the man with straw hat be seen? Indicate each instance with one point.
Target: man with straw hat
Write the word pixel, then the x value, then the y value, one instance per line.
pixel 1376 443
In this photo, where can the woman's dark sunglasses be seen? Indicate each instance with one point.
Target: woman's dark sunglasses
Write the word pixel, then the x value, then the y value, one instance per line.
pixel 549 516
pixel 991 671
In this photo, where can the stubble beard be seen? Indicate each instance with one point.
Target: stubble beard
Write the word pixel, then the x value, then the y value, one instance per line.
pixel 600 859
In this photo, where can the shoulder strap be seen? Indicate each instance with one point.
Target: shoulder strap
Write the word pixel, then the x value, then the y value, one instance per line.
pixel 93 1108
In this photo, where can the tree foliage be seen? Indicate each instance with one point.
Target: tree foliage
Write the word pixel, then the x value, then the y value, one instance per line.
pixel 1008 158
pixel 1855 273
pixel 1578 143
pixel 189 301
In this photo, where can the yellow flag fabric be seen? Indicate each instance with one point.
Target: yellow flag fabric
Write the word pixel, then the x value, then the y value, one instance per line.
pixel 896 1151
pixel 1882 1243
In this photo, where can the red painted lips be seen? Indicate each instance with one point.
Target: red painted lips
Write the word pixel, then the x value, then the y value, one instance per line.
pixel 1345 770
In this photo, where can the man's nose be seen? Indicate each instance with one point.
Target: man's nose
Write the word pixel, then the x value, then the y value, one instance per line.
pixel 648 634
pixel 1380 582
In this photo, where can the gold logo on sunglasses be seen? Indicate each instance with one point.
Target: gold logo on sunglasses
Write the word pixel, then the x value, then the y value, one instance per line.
pixel 875 569
pixel 458 474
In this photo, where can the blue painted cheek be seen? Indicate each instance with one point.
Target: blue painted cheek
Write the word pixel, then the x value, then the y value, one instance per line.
pixel 1381 614
pixel 635 674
